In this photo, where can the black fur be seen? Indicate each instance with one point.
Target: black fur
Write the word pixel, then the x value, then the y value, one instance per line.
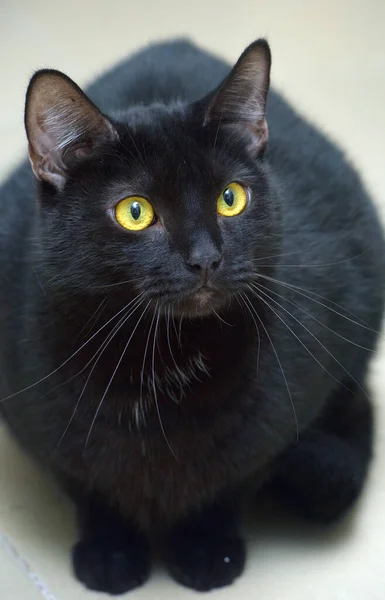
pixel 309 240
pixel 112 556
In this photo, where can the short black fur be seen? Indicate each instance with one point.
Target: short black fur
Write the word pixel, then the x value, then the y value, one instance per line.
pixel 164 373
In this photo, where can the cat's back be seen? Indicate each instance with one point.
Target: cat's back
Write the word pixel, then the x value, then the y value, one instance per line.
pixel 163 72
pixel 17 212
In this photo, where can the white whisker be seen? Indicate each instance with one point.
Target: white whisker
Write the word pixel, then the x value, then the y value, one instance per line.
pixel 314 337
pixel 222 320
pixel 113 374
pixel 245 298
pixel 117 327
pixel 330 264
pixel 312 317
pixel 92 317
pixel 168 338
pixel 28 387
pixel 301 291
pixel 154 385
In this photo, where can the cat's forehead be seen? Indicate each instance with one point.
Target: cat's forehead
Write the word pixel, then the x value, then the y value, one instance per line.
pixel 142 115
pixel 170 144
pixel 161 132
pixel 165 145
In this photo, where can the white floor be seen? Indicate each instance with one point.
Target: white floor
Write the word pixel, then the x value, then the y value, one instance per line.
pixel 329 59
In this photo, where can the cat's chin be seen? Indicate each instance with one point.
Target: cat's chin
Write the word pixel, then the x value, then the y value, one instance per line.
pixel 202 303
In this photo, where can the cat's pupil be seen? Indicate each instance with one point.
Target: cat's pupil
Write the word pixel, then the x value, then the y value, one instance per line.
pixel 135 210
pixel 228 197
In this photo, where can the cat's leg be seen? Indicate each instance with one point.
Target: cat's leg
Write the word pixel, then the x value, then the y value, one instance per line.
pixel 322 475
pixel 204 550
pixel 112 556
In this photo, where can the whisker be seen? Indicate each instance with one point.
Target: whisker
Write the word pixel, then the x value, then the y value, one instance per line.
pixel 114 373
pixel 111 334
pixel 173 323
pixel 110 285
pixel 154 385
pixel 97 355
pixel 300 291
pixel 220 318
pixel 312 317
pixel 180 331
pixel 343 234
pixel 337 262
pixel 314 337
pixel 28 387
pixel 91 319
pixel 256 326
pixel 298 339
pixel 144 360
pixel 245 298
pixel 168 338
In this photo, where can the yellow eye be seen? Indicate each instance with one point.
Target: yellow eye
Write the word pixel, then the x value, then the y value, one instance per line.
pixel 134 213
pixel 232 200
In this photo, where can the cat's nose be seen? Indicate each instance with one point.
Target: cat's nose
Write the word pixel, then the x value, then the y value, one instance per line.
pixel 204 261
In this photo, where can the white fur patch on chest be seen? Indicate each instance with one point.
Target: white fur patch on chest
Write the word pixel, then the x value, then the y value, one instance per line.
pixel 178 378
pixel 173 383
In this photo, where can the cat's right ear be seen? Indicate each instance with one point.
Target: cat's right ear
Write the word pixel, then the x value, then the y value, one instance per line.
pixel 63 126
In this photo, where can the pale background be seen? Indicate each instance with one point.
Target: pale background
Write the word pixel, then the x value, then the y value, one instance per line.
pixel 329 59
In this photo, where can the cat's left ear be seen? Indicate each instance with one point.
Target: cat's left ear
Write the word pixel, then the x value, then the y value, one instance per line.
pixel 240 101
pixel 63 126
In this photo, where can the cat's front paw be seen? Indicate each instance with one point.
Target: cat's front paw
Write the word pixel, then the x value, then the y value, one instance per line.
pixel 111 566
pixel 204 563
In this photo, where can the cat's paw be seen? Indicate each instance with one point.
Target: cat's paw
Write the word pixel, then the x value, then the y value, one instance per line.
pixel 204 563
pixel 111 566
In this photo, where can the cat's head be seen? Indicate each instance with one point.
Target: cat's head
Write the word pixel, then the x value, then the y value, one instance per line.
pixel 173 200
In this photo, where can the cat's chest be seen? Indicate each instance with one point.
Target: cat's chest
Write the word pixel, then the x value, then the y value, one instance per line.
pixel 156 456
pixel 173 378
pixel 128 396
pixel 159 475
pixel 163 430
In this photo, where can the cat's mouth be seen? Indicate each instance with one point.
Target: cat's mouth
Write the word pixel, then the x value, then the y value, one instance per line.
pixel 200 302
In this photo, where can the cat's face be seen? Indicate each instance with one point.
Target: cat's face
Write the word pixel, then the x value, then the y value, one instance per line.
pixel 167 203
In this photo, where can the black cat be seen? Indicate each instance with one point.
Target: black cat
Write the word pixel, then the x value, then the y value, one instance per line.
pixel 186 311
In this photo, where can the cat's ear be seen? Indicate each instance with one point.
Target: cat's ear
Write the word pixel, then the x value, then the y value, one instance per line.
pixel 240 101
pixel 63 126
